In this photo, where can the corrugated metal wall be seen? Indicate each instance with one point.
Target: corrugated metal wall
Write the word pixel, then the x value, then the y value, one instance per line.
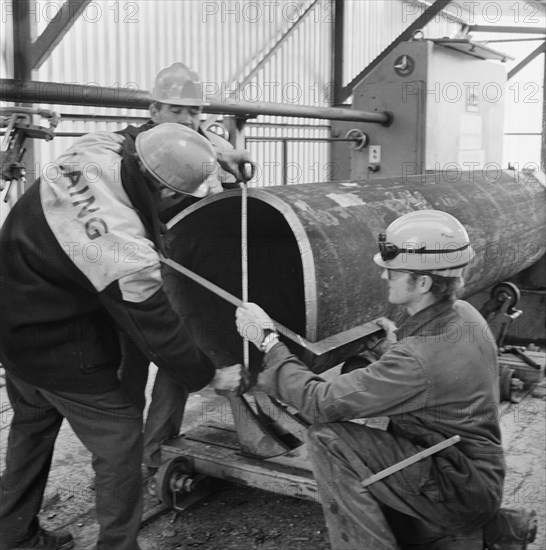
pixel 277 51
pixel 371 26
pixel 253 51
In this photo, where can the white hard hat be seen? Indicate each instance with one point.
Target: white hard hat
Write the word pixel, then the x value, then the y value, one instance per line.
pixel 425 240
pixel 177 157
pixel 178 85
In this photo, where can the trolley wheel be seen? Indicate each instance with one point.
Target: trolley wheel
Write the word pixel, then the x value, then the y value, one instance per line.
pixel 506 291
pixel 174 476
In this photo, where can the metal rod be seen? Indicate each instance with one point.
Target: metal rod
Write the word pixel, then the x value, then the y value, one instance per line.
pixel 268 138
pixel 57 93
pixel 244 262
pixel 411 460
pixel 233 300
pixel 510 40
pixel 511 30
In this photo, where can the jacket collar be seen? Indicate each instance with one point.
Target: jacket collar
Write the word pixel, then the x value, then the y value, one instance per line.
pixel 140 193
pixel 416 323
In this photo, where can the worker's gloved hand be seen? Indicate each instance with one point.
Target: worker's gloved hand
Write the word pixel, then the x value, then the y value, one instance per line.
pixel 388 326
pixel 252 322
pixel 231 379
pixel 237 162
pixel 390 337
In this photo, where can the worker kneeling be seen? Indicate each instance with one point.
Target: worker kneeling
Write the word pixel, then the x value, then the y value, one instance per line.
pixel 432 382
pixel 79 265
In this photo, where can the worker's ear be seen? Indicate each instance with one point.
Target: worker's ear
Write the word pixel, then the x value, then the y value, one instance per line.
pixel 424 283
pixel 154 112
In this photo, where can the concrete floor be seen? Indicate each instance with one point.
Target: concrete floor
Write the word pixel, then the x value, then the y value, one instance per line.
pixel 69 500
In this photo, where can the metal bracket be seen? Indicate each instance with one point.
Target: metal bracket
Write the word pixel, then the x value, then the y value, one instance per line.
pixel 18 125
pixel 499 311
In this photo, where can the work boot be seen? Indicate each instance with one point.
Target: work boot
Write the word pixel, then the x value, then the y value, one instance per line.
pixel 511 529
pixel 45 540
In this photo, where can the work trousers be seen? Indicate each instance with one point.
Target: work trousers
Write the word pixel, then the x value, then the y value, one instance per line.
pixel 403 511
pixel 166 410
pixel 108 425
pixel 164 417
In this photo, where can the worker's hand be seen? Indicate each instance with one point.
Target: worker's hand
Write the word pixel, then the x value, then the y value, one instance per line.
pixel 389 327
pixel 215 185
pixel 237 162
pixel 231 379
pixel 251 321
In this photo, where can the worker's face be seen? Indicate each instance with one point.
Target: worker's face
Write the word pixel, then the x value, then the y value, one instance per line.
pixel 164 196
pixel 403 290
pixel 179 114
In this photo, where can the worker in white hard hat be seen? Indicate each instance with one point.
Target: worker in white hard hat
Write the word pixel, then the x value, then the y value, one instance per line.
pixel 80 265
pixel 437 378
pixel 177 97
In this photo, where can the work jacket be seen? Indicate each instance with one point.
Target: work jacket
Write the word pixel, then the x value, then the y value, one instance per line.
pixel 79 260
pixel 438 380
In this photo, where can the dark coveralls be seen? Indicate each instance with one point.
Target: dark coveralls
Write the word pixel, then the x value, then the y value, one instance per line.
pixel 168 402
pixel 440 379
pixel 78 263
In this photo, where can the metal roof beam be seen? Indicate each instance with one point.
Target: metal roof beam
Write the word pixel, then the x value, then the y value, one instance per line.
pixel 55 31
pixel 513 30
pixel 269 54
pixel 22 33
pixel 527 60
pixel 338 42
pixel 418 24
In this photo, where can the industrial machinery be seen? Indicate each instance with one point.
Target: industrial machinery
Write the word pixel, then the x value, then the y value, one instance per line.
pixel 446 102
pixel 310 266
pixel 428 136
pixel 310 249
pixel 19 126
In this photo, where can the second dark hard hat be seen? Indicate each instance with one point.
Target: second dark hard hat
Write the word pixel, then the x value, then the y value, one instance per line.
pixel 177 157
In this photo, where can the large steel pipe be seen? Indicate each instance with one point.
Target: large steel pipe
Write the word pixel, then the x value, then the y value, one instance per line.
pixel 311 246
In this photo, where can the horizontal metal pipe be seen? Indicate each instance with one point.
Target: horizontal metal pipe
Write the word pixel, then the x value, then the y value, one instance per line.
pixel 57 93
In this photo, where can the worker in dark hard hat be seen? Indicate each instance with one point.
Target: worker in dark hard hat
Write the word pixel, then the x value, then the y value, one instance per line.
pixel 177 97
pixel 79 261
pixel 437 378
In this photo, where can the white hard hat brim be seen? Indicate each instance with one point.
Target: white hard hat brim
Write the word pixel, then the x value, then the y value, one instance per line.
pixel 190 102
pixel 379 261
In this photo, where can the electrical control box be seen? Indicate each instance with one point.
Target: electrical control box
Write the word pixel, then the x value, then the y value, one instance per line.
pixel 446 98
